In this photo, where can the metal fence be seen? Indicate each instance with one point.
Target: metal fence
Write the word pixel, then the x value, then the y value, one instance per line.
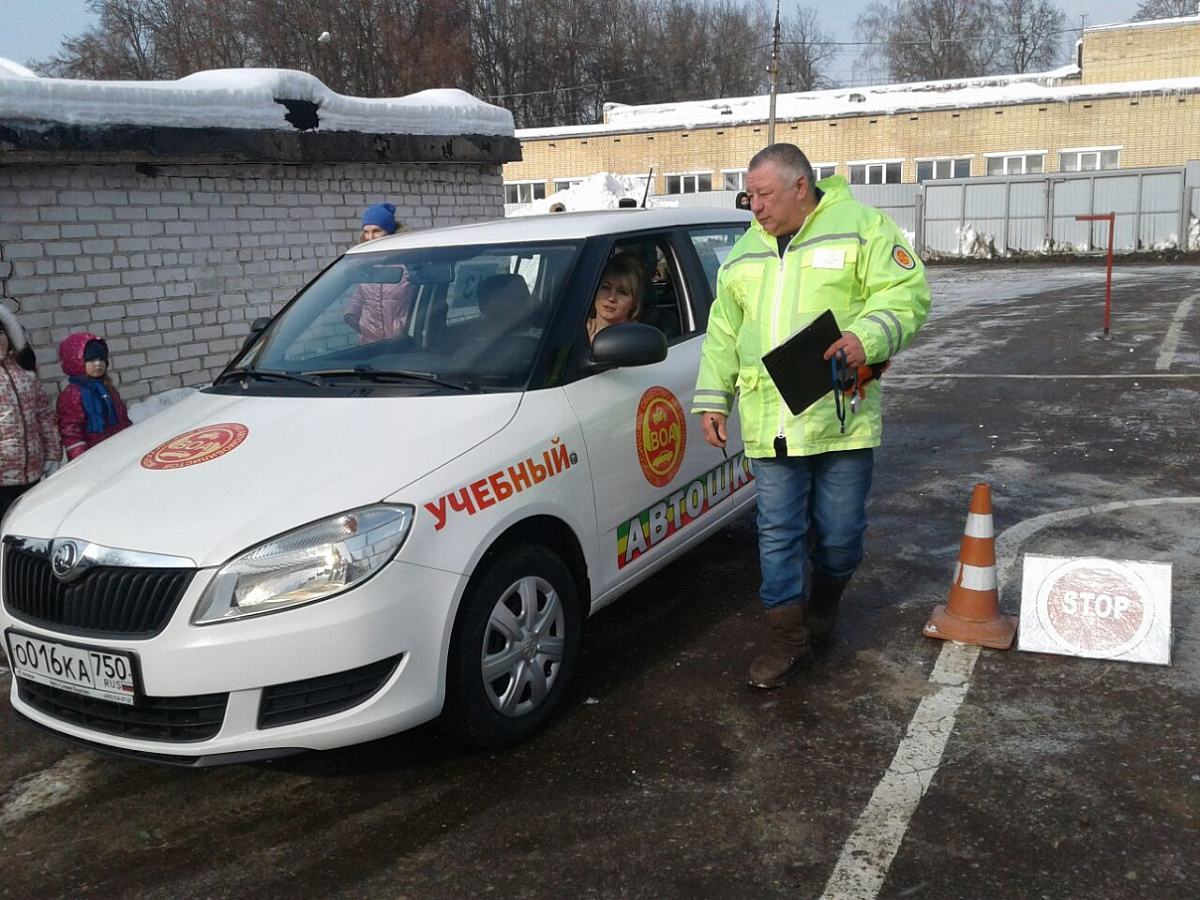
pixel 1033 214
pixel 1027 214
pixel 1020 215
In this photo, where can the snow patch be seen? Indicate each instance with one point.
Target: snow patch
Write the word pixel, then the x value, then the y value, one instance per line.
pixel 1193 238
pixel 44 789
pixel 975 244
pixel 240 98
pixel 603 190
pixel 888 99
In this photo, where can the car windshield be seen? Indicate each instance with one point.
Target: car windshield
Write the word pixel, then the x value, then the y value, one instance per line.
pixel 463 318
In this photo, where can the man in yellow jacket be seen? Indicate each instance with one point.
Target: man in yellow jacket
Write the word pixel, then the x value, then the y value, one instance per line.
pixel 812 247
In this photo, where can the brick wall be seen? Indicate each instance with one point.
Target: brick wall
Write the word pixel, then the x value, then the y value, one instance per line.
pixel 1152 129
pixel 170 264
pixel 1141 52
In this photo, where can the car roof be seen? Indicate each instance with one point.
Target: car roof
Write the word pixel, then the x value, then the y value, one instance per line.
pixel 558 226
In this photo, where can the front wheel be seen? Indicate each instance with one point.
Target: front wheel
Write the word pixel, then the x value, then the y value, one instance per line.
pixel 514 648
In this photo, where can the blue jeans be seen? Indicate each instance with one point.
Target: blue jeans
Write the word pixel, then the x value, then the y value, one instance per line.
pixel 826 495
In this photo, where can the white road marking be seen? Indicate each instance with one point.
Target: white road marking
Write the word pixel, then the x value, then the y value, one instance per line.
pixel 1166 354
pixel 867 855
pixel 44 789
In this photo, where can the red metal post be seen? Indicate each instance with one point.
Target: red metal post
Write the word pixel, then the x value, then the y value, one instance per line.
pixel 1111 218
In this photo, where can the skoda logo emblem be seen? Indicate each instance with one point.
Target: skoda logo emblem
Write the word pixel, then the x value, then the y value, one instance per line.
pixel 66 554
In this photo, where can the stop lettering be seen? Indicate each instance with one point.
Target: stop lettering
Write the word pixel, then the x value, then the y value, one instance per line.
pixel 1095 610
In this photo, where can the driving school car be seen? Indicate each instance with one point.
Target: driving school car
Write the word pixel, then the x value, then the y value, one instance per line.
pixel 349 534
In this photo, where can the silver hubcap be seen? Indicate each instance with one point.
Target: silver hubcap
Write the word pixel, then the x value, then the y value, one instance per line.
pixel 523 646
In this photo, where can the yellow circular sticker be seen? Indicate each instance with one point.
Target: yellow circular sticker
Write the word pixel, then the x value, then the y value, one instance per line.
pixel 903 258
pixel 661 435
pixel 200 445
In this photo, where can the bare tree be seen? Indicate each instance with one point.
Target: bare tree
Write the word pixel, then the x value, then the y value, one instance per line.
pixel 119 45
pixel 552 62
pixel 806 51
pixel 929 39
pixel 1165 9
pixel 1030 33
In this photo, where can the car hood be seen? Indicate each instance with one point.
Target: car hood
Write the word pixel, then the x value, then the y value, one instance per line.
pixel 257 467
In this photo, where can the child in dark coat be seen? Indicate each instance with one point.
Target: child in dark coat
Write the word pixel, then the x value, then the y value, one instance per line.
pixel 90 409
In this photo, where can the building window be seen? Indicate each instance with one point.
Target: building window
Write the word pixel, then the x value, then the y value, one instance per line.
pixel 883 172
pixel 824 170
pixel 735 179
pixel 524 191
pixel 689 184
pixel 1017 163
pixel 563 184
pixel 929 169
pixel 1089 159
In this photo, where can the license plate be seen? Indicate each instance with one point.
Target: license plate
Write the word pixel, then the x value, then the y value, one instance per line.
pixel 82 670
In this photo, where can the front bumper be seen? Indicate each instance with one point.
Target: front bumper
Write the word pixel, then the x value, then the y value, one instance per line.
pixel 399 621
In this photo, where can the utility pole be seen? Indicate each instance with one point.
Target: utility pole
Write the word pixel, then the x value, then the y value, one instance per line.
pixel 773 70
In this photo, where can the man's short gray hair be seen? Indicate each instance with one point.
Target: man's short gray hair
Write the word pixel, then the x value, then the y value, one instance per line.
pixel 788 158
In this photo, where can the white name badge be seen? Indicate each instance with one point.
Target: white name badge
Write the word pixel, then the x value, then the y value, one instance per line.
pixel 825 258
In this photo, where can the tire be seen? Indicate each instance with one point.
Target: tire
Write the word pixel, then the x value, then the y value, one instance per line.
pixel 514 648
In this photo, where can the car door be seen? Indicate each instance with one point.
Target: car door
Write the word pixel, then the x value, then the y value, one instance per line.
pixel 658 485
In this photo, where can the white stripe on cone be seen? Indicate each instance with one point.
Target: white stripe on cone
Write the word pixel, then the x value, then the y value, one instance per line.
pixel 979 525
pixel 975 578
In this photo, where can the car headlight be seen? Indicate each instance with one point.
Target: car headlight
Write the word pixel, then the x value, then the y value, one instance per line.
pixel 311 563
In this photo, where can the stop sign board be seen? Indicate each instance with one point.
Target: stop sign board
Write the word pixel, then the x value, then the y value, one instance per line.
pixel 1098 608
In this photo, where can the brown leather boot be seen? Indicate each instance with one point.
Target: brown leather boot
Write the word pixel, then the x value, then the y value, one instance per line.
pixel 788 648
pixel 823 605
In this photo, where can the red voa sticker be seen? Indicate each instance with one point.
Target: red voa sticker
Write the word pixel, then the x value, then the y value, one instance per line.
pixel 661 436
pixel 200 445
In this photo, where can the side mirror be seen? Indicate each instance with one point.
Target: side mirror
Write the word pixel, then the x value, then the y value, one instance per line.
pixel 257 327
pixel 629 344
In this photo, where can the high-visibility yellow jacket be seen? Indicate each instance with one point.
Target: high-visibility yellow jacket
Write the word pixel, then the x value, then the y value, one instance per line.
pixel 847 257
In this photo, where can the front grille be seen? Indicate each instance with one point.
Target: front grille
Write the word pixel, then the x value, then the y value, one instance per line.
pixel 174 719
pixel 299 701
pixel 105 601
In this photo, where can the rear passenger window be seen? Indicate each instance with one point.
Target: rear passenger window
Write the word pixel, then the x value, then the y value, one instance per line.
pixel 663 300
pixel 712 246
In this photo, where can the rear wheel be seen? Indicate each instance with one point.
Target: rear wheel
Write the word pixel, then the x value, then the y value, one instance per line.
pixel 514 648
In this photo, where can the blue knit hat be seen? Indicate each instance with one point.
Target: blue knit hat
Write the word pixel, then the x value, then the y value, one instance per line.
pixel 382 215
pixel 96 349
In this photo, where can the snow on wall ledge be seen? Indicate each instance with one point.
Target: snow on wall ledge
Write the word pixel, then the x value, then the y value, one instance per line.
pixel 278 99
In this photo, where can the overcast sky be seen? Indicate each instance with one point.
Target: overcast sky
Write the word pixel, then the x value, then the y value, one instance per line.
pixel 34 29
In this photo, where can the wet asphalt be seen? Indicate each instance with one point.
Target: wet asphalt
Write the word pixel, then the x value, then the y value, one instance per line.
pixel 666 777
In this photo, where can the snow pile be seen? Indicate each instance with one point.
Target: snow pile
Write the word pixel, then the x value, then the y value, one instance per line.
pixel 240 98
pixel 10 69
pixel 1193 238
pixel 600 191
pixel 144 409
pixel 975 244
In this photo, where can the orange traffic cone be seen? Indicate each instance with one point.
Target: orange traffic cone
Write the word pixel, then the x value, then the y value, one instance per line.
pixel 972 615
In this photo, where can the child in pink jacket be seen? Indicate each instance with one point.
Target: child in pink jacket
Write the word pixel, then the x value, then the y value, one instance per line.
pixel 28 439
pixel 90 409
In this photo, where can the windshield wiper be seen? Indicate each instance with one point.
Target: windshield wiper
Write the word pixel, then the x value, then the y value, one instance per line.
pixel 267 374
pixel 367 373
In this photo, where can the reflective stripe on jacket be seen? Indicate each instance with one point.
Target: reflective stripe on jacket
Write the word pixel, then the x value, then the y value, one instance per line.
pixel 848 257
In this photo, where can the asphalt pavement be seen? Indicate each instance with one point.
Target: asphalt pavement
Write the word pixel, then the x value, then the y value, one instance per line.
pixel 894 766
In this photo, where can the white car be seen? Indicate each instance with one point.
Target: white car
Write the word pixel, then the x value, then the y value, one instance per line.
pixel 343 537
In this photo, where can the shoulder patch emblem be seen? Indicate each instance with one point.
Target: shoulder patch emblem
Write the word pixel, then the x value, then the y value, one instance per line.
pixel 903 258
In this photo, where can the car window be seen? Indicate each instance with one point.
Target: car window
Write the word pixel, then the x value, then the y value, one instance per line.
pixel 664 301
pixel 472 315
pixel 712 246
